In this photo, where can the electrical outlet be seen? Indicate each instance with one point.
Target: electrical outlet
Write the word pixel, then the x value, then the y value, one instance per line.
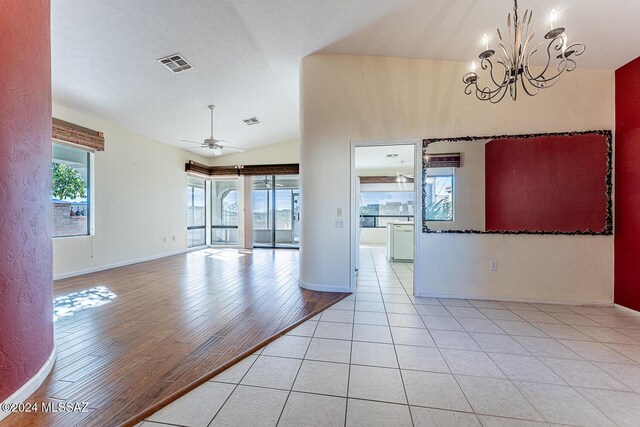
pixel 164 240
pixel 494 265
pixel 339 223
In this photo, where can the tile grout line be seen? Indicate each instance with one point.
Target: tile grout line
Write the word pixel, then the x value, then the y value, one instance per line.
pixel 353 326
pixel 234 389
pixel 297 373
pixel 395 351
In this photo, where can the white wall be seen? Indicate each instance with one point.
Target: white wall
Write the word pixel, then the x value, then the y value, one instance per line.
pixel 140 200
pixel 283 152
pixel 348 98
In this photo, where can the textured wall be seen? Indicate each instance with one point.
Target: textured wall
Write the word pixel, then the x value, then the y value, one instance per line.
pixel 548 184
pixel 627 179
pixel 26 328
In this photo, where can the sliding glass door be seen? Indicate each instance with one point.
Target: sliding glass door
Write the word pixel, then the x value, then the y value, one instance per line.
pixel 224 211
pixel 276 211
pixel 196 212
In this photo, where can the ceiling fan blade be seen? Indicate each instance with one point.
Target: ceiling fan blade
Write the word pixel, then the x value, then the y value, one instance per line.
pixel 216 152
pixel 191 142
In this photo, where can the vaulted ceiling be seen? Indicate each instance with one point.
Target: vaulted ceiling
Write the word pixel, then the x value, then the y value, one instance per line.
pixel 246 53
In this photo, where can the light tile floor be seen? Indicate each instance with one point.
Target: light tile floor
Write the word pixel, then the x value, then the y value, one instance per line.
pixel 384 357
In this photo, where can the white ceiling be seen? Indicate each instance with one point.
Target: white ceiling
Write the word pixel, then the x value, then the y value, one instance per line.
pixel 375 157
pixel 246 53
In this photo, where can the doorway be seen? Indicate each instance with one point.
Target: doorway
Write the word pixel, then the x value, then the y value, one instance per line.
pixel 385 212
pixel 276 211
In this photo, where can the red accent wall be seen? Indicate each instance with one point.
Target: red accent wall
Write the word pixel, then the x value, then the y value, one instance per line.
pixel 627 187
pixel 26 327
pixel 546 183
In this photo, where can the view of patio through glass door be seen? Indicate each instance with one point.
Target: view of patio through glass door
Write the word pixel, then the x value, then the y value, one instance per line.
pixel 224 211
pixel 276 211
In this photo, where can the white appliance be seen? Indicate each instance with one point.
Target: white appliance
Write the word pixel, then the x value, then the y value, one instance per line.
pixel 358 224
pixel 400 241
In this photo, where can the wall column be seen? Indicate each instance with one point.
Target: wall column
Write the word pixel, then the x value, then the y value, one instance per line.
pixel 26 319
pixel 627 181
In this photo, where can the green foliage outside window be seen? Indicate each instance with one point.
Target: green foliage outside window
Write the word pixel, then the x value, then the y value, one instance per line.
pixel 442 210
pixel 67 183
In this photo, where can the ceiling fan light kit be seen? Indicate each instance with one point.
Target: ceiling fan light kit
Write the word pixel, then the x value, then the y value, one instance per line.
pixel 511 64
pixel 211 143
pixel 401 177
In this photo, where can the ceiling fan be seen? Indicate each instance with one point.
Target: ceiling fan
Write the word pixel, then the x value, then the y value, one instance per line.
pixel 216 145
pixel 401 177
pixel 267 182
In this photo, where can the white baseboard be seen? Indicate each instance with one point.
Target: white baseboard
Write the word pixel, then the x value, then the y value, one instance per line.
pixel 30 386
pixel 515 299
pixel 323 288
pixel 631 311
pixel 125 263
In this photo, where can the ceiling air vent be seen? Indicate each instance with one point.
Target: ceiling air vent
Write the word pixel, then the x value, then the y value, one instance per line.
pixel 251 121
pixel 392 156
pixel 175 63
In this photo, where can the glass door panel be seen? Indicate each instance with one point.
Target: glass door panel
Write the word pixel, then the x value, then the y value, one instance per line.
pixel 296 218
pixel 224 212
pixel 276 211
pixel 285 188
pixel 196 212
pixel 261 202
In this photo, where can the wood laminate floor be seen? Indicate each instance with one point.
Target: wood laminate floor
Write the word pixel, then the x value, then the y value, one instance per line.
pixel 173 321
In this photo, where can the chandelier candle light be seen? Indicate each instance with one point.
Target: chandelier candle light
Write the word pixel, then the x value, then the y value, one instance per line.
pixel 512 64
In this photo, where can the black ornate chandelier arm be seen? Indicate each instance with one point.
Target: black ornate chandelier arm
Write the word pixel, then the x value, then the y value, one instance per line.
pixel 529 87
pixel 565 62
pixel 486 93
pixel 557 44
pixel 486 64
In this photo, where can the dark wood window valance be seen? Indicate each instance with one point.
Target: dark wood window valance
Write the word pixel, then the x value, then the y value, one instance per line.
pixel 445 160
pixel 277 169
pixel 74 134
pixel 381 180
pixel 199 168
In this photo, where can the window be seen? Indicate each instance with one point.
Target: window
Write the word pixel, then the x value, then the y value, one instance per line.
pixel 196 212
pixel 224 212
pixel 70 191
pixel 439 198
pixel 380 207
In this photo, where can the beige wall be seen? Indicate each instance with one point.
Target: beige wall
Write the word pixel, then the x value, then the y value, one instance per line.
pixel 283 152
pixel 140 201
pixel 347 99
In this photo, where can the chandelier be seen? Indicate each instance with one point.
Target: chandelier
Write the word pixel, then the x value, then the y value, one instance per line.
pixel 511 64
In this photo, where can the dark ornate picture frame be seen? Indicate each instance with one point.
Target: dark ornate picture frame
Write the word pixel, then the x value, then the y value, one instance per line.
pixel 608 227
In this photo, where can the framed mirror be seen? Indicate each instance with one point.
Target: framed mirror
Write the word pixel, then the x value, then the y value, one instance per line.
pixel 553 183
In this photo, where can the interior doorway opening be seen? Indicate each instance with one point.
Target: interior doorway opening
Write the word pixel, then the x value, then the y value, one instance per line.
pixel 385 207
